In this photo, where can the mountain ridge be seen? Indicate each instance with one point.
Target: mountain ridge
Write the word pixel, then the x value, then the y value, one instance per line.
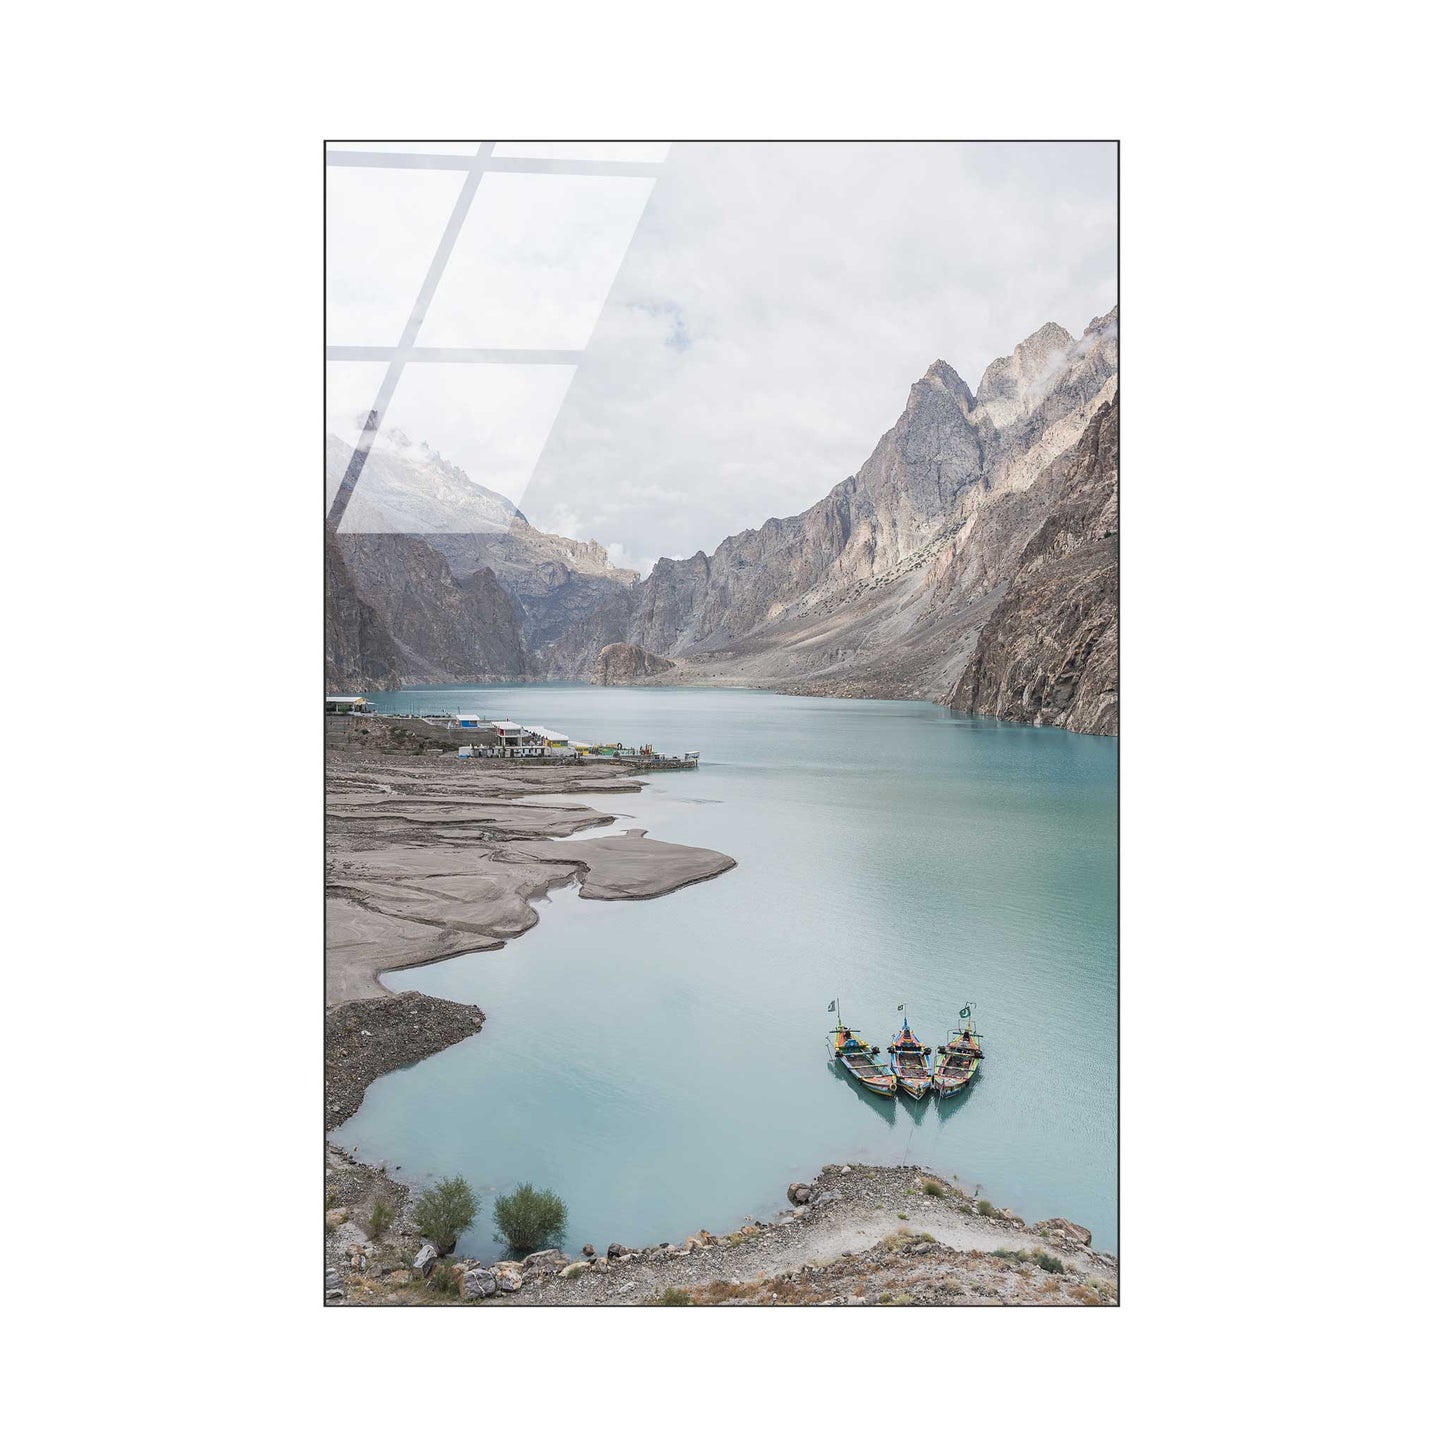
pixel 911 577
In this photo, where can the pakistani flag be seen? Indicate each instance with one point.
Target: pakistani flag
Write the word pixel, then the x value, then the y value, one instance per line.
pixel 899 1009
pixel 966 1011
pixel 833 1007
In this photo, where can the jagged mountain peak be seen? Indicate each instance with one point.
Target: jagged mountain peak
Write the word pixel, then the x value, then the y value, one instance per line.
pixel 942 377
pixel 1034 359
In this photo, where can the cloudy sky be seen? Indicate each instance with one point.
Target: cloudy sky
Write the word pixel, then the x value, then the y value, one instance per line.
pixel 770 305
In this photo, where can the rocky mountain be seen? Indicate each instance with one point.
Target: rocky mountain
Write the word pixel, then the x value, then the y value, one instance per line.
pixel 360 654
pixel 408 487
pixel 436 554
pixel 1050 651
pixel 555 581
pixel 972 559
pixel 419 623
pixel 624 662
pixel 883 588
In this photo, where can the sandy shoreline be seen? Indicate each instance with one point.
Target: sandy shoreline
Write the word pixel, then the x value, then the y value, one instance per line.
pixel 430 857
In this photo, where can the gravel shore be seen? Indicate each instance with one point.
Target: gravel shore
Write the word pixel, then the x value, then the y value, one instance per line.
pixel 367 1038
pixel 861 1235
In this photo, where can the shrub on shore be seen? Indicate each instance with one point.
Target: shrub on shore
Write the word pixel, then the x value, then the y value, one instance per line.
pixel 986 1209
pixel 528 1219
pixel 379 1217
pixel 933 1189
pixel 674 1296
pixel 444 1211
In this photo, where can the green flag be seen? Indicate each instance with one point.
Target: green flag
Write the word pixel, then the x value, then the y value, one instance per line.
pixel 899 1009
pixel 833 1007
pixel 966 1011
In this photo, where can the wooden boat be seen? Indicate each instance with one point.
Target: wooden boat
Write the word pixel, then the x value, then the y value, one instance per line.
pixel 860 1060
pixel 910 1062
pixel 958 1059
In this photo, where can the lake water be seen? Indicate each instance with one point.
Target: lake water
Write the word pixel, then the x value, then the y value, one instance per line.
pixel 663 1065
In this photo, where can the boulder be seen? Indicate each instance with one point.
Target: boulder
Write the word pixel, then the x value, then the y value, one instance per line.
pixel 1074 1233
pixel 479 1284
pixel 547 1261
pixel 616 1251
pixel 336 1216
pixel 799 1193
pixel 509 1276
pixel 571 1271
pixel 589 1251
pixel 426 1257
pixel 802 1211
pixel 333 1285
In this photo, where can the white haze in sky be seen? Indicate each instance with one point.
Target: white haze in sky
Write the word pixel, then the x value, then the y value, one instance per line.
pixel 773 308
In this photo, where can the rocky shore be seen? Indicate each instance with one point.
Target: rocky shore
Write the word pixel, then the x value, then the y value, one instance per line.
pixel 855 1235
pixel 367 1038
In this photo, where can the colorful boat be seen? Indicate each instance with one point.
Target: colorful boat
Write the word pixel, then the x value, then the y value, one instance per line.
pixel 860 1060
pixel 910 1062
pixel 958 1059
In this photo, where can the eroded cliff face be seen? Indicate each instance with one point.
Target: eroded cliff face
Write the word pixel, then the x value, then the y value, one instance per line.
pixel 625 662
pixel 360 654
pixel 439 629
pixel 1049 654
pixel 555 581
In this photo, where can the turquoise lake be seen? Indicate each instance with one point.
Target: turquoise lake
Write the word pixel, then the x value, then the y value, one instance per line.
pixel 663 1065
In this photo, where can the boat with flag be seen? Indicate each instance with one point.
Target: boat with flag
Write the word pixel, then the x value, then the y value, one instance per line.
pixel 959 1058
pixel 859 1058
pixel 910 1060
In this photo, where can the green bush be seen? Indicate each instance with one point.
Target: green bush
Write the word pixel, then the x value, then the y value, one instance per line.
pixel 444 1210
pixel 1050 1262
pixel 986 1209
pixel 933 1189
pixel 444 1279
pixel 673 1296
pixel 379 1217
pixel 529 1219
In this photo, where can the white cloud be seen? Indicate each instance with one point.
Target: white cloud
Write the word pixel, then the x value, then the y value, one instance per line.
pixel 534 261
pixel 779 300
pixel 382 229
pixel 775 305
